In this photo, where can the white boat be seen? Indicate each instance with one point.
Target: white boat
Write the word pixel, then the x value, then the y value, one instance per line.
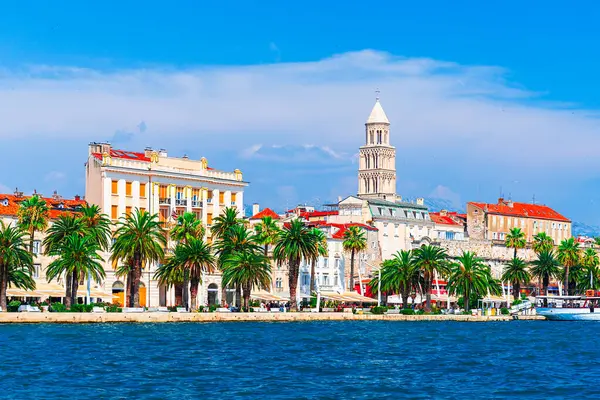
pixel 568 308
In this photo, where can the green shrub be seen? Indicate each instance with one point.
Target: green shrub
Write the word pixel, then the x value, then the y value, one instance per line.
pixel 504 311
pixel 517 302
pixel 113 308
pixel 211 308
pixel 58 307
pixel 82 307
pixel 201 309
pixel 13 306
pixel 407 311
pixel 420 312
pixel 379 310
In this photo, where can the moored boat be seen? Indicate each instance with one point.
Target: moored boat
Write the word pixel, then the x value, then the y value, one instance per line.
pixel 568 308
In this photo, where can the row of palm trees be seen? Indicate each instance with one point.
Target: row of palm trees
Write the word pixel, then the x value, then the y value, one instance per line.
pixel 569 263
pixel 76 240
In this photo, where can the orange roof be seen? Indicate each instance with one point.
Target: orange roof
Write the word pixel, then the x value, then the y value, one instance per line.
pixel 54 205
pixel 443 219
pixel 267 212
pixel 318 214
pixel 525 210
pixel 127 155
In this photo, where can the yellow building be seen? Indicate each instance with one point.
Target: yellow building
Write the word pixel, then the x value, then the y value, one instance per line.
pixel 119 181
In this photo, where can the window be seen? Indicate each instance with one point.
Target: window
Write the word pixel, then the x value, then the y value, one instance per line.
pixel 449 235
pixel 36 270
pixel 395 230
pixel 337 263
pixel 115 187
pixel 209 219
pixel 493 219
pixel 37 247
pixel 142 209
pixel 127 188
pixel 233 197
pixel 305 279
pixel 142 190
pixel 221 198
pixel 5 202
pixel 522 222
pixel 326 263
pixel 325 279
pixel 278 283
pixel 114 212
pixel 128 210
pixel 179 193
pixel 501 221
pixel 494 235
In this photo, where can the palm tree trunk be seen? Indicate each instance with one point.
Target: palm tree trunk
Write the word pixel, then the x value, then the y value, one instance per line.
pixel 238 296
pixel 293 281
pixel 467 298
pixel 185 292
pixel 546 283
pixel 312 278
pixel 223 295
pixel 515 254
pixel 137 272
pixel 74 287
pixel 31 235
pixel 405 296
pixel 266 250
pixel 68 294
pixel 427 292
pixel 566 280
pixel 351 289
pixel 129 299
pixel 517 290
pixel 194 283
pixel 247 296
pixel 3 286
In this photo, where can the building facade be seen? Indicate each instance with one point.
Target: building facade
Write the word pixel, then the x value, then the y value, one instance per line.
pixel 121 181
pixel 448 225
pixel 494 221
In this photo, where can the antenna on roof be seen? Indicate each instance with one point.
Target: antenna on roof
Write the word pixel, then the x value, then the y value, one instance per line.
pixel 377 94
pixel 509 196
pixel 533 200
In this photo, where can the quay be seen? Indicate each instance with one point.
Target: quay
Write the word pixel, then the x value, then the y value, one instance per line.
pixel 158 317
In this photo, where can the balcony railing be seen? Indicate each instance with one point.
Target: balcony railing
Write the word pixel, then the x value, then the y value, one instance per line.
pixel 164 201
pixel 196 204
pixel 180 202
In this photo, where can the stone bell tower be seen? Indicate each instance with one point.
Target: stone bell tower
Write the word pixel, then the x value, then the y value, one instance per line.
pixel 377 164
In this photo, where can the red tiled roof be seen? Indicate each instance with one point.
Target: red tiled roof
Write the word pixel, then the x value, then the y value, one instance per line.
pixel 525 210
pixel 267 212
pixel 124 154
pixel 54 212
pixel 443 219
pixel 315 214
pixel 342 228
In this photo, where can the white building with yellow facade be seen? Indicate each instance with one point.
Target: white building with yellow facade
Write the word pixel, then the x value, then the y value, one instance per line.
pixel 120 181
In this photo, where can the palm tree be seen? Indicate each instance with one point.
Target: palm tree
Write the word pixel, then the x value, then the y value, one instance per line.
pixel 78 257
pixel 33 217
pixel 16 263
pixel 187 264
pixel 590 262
pixel 542 242
pixel 320 250
pixel 294 244
pixel 267 232
pixel 546 267
pixel 429 260
pixel 515 239
pixel 140 239
pixel 568 255
pixel 355 241
pixel 398 275
pixel 469 276
pixel 516 272
pixel 96 224
pixel 224 222
pixel 186 229
pixel 247 269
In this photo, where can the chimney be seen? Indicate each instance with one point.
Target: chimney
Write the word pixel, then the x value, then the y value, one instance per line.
pixel 18 194
pixel 56 196
pixel 77 197
pixel 510 203
pixel 501 201
pixel 255 208
pixel 443 213
pixel 35 193
pixel 420 201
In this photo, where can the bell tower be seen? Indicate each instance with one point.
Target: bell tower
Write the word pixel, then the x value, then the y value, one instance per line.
pixel 377 163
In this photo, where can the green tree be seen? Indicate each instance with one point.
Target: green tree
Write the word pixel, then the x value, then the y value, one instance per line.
pixel 294 244
pixel 267 232
pixel 542 242
pixel 247 269
pixel 78 257
pixel 515 240
pixel 33 217
pixel 590 262
pixel 16 262
pixel 429 260
pixel 222 224
pixel 187 228
pixel 355 241
pixel 470 276
pixel 139 239
pixel 568 256
pixel 398 275
pixel 320 250
pixel 190 260
pixel 516 272
pixel 96 224
pixel 546 267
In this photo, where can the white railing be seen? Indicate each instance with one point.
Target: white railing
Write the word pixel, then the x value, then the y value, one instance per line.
pixel 180 202
pixel 196 203
pixel 119 162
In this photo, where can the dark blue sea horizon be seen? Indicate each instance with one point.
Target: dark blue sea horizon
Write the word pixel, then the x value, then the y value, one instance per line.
pixel 304 360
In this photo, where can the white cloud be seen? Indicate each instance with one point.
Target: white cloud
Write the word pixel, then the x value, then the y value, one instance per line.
pixel 444 192
pixel 54 176
pixel 434 106
pixel 294 153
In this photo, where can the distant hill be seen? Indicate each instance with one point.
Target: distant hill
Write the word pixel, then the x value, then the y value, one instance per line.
pixel 581 229
pixel 436 204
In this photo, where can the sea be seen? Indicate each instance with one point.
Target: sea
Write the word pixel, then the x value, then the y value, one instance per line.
pixel 301 360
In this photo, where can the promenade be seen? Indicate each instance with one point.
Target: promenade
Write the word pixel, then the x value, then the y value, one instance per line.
pixel 157 317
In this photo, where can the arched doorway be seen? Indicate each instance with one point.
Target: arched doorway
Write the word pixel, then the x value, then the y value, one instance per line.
pixel 118 291
pixel 213 294
pixel 142 292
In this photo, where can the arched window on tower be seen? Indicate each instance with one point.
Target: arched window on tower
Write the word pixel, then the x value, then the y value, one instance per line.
pixel 371 141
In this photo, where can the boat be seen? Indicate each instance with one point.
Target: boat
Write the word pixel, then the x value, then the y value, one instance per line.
pixel 568 308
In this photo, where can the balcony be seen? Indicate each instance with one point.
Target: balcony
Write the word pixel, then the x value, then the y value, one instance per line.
pixel 209 201
pixel 164 201
pixel 233 203
pixel 180 202
pixel 196 204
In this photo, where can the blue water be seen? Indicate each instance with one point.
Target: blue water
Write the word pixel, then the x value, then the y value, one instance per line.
pixel 316 360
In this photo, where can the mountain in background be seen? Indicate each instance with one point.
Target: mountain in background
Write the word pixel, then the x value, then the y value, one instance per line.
pixel 581 229
pixel 436 204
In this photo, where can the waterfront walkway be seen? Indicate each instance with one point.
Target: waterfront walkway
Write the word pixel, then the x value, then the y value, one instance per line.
pixel 156 317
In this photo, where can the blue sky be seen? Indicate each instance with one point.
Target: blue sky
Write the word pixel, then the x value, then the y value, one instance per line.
pixel 483 97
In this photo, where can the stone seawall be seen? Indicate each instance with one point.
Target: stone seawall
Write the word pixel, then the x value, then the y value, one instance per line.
pixel 75 318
